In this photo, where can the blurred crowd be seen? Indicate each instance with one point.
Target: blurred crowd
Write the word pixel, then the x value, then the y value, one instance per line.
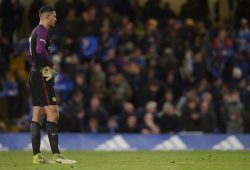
pixel 127 68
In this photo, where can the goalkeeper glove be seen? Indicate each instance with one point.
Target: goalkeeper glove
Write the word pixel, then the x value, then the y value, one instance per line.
pixel 49 73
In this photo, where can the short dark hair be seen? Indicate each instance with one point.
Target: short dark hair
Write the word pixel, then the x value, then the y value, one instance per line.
pixel 46 8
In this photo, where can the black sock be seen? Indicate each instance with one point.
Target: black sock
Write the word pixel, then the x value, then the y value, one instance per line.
pixel 53 136
pixel 35 136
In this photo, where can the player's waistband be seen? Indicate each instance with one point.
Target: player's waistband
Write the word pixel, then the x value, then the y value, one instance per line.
pixel 36 69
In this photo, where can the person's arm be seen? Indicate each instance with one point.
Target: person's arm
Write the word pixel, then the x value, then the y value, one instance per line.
pixel 41 51
pixel 29 58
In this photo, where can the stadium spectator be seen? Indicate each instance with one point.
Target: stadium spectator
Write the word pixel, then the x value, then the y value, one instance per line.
pixel 88 22
pixel 96 110
pixel 112 125
pixel 63 83
pixel 131 125
pixel 208 118
pixel 169 122
pixel 127 110
pixel 234 112
pixel 149 126
pixel 191 118
pixel 119 91
pixel 243 36
pixel 93 126
pixel 74 118
pixel 70 29
pixel 81 84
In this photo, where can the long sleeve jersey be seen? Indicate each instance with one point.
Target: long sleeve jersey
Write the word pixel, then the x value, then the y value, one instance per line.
pixel 39 48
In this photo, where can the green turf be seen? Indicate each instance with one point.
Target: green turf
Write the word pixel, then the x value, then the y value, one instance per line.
pixel 143 160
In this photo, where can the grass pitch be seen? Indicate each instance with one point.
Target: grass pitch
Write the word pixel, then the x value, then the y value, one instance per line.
pixel 139 160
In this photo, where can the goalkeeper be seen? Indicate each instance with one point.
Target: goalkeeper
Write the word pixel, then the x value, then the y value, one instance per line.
pixel 41 82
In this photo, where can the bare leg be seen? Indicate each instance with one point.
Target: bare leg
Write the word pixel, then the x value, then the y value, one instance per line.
pixel 52 113
pixel 38 114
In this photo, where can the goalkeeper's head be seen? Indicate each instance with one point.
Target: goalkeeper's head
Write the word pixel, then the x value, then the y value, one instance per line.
pixel 47 16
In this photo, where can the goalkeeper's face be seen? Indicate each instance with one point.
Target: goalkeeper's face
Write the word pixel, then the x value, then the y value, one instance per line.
pixel 52 19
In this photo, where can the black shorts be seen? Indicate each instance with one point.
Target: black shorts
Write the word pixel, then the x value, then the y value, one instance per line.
pixel 42 91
